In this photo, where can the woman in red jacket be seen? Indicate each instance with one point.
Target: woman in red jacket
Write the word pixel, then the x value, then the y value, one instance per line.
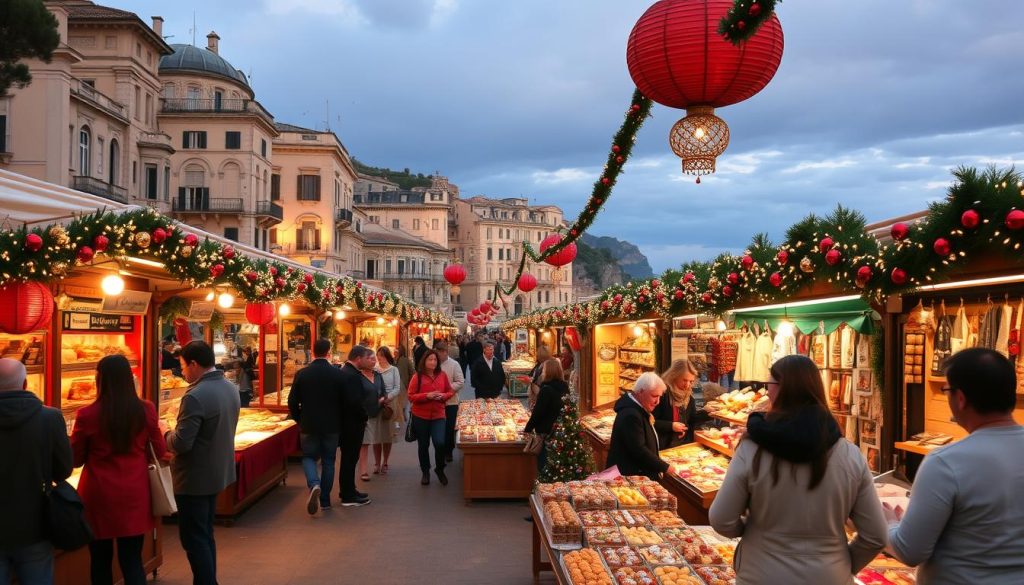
pixel 429 389
pixel 110 439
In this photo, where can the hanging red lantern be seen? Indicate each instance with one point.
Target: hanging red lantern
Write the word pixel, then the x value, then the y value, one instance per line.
pixel 564 256
pixel 259 313
pixel 527 282
pixel 455 274
pixel 677 58
pixel 27 306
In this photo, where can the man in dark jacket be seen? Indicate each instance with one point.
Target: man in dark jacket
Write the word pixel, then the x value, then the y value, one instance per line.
pixel 419 347
pixel 487 375
pixel 634 445
pixel 472 351
pixel 203 444
pixel 34 449
pixel 314 403
pixel 352 417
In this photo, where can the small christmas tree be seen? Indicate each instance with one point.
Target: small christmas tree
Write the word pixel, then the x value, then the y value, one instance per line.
pixel 569 455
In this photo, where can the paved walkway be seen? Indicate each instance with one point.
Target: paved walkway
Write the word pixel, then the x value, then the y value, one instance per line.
pixel 409 534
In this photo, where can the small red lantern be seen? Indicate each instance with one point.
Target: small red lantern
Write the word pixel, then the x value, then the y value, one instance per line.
pixel 259 313
pixel 527 282
pixel 564 256
pixel 28 306
pixel 455 274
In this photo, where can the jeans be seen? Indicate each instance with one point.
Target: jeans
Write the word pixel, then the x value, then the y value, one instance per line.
pixel 451 414
pixel 129 558
pixel 324 448
pixel 427 430
pixel 350 442
pixel 195 528
pixel 32 564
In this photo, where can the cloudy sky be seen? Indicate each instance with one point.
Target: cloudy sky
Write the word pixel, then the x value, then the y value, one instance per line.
pixel 874 103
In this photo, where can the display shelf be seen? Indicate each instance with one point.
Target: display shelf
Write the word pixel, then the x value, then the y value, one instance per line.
pixel 917 447
pixel 638 349
pixel 90 366
pixel 715 444
pixel 731 420
pixel 37 369
pixel 628 363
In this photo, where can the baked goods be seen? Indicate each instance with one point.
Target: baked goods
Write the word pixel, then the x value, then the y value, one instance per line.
pixel 658 497
pixel 634 576
pixel 717 575
pixel 629 497
pixel 595 518
pixel 603 536
pixel 738 403
pixel 621 556
pixel 82 389
pixel 701 553
pixel 697 466
pixel 584 567
pixel 677 576
pixel 639 536
pixel 591 496
pixel 553 492
pixel 886 576
pixel 628 518
pixel 661 554
pixel 563 523
pixel 679 534
pixel 664 518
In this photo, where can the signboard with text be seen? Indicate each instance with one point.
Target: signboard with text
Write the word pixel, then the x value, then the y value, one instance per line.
pixel 97 322
pixel 129 302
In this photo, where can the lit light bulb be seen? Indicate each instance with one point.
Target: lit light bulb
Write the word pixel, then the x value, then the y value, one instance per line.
pixel 637 331
pixel 226 300
pixel 112 285
pixel 380 320
pixel 394 322
pixel 209 296
pixel 699 133
pixel 786 328
pixel 339 315
pixel 284 310
pixel 720 325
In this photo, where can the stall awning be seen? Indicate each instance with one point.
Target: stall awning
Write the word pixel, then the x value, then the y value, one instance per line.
pixel 856 313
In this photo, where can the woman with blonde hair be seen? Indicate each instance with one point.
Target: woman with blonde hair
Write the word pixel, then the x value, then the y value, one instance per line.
pixel 549 405
pixel 676 417
pixel 543 354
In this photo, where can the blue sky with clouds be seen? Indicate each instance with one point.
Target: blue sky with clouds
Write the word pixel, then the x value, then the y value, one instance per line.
pixel 874 103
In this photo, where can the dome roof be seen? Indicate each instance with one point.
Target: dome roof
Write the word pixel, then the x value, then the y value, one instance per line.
pixel 191 58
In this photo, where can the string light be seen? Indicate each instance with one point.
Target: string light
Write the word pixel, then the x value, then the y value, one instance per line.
pixel 112 285
pixel 284 310
pixel 226 300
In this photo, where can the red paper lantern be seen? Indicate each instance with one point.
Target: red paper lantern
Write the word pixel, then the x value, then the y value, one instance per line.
pixel 259 313
pixel 27 306
pixel 455 274
pixel 564 256
pixel 677 58
pixel 527 282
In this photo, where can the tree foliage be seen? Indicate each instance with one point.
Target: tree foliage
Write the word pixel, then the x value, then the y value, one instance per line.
pixel 27 30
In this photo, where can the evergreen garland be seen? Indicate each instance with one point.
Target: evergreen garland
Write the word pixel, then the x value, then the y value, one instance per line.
pixel 745 17
pixel 569 457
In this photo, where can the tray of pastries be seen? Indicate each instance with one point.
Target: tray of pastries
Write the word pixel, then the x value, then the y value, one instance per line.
pixel 553 492
pixel 603 536
pixel 596 518
pixel 629 518
pixel 641 536
pixel 592 496
pixel 738 404
pixel 562 523
pixel 886 576
pixel 634 576
pixel 82 389
pixel 584 567
pixel 717 575
pixel 676 575
pixel 700 467
pixel 629 497
pixel 664 518
pixel 679 534
pixel 621 556
pixel 701 553
pixel 658 497
pixel 661 554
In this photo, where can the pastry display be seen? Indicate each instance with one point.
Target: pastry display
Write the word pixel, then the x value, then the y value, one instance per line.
pixel 658 497
pixel 603 536
pixel 701 553
pixel 104 345
pixel 629 497
pixel 727 550
pixel 491 420
pixel 592 496
pixel 679 534
pixel 634 576
pixel 621 556
pixel 553 492
pixel 661 554
pixel 697 466
pixel 628 518
pixel 670 575
pixel 600 423
pixel 738 404
pixel 664 518
pixel 563 523
pixel 717 575
pixel 728 437
pixel 584 567
pixel 82 389
pixel 596 518
pixel 639 536
pixel 886 576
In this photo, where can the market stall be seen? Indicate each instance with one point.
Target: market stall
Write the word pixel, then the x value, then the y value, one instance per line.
pixel 491 440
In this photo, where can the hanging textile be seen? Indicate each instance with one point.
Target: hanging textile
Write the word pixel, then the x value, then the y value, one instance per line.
pixel 1005 324
pixel 762 357
pixel 745 357
pixel 941 343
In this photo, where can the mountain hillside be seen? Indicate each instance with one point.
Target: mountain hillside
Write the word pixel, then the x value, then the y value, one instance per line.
pixel 629 257
pixel 608 262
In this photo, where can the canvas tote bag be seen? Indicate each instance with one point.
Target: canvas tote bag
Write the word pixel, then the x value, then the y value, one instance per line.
pixel 161 487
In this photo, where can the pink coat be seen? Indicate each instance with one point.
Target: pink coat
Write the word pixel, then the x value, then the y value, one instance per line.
pixel 115 486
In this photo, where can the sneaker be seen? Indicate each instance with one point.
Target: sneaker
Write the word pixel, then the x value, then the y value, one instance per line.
pixel 313 503
pixel 356 501
pixel 325 507
pixel 360 494
pixel 441 477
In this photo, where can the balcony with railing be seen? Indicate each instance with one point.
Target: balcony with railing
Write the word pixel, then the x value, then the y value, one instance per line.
pixel 270 212
pixel 357 274
pixel 212 106
pixel 101 188
pixel 91 95
pixel 406 276
pixel 343 217
pixel 207 205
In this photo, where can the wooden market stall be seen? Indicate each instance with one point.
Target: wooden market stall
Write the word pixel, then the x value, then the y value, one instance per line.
pixel 491 440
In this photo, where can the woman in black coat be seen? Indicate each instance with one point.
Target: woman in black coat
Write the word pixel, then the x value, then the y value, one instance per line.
pixel 676 417
pixel 549 406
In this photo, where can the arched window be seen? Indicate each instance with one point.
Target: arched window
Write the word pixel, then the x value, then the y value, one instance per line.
pixel 84 141
pixel 115 156
pixel 231 184
pixel 193 194
pixel 519 305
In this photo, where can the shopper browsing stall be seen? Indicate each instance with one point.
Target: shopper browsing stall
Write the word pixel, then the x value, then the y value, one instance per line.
pixel 965 520
pixel 451 369
pixel 549 405
pixel 793 484
pixel 634 444
pixel 353 422
pixel 676 417
pixel 429 390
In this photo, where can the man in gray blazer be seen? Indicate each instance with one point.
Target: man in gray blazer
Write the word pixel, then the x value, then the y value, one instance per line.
pixel 203 444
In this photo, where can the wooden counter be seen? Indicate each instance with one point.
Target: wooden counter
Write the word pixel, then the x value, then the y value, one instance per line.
pixel 600 448
pixel 550 560
pixel 259 469
pixel 72 568
pixel 497 470
pixel 692 505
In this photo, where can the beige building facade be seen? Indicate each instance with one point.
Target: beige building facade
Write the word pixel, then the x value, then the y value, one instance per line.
pixel 409 265
pixel 487 236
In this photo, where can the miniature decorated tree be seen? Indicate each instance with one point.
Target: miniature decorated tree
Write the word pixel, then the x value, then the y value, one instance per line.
pixel 569 455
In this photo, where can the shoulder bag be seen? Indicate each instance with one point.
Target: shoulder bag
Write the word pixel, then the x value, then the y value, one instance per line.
pixel 63 512
pixel 161 487
pixel 534 443
pixel 410 433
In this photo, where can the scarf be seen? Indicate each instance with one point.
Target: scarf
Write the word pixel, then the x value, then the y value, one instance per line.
pixel 680 397
pixel 798 437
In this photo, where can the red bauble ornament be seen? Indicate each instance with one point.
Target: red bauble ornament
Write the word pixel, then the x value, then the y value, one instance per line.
pixel 455 274
pixel 1014 348
pixel 615 148
pixel 191 239
pixel 898 276
pixel 688 277
pixel 85 254
pixel 301 287
pixel 775 279
pixel 605 180
pixel 252 276
pixel 900 231
pixel 216 270
pixel 655 283
pixel 733 278
pixel 100 243
pixel 742 25
pixel 307 278
pixel 825 244
pixel 617 299
pixel 1015 219
pixel 359 285
pixel 33 242
pixel 727 290
pixel 833 257
pixel 641 299
pixel 941 247
pixel 970 219
pixel 565 256
pixel 159 235
pixel 679 295
pixel 706 297
pixel 273 271
pixel 755 10
pixel 228 252
pixel 604 305
pixel 527 282
pixel 747 262
pixel 279 282
pixel 27 307
pixel 782 257
pixel 864 273
pixel 259 313
pixel 619 160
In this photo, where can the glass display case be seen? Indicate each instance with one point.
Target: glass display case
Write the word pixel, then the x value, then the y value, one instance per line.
pixel 296 351
pixel 624 351
pixel 377 332
pixel 29 349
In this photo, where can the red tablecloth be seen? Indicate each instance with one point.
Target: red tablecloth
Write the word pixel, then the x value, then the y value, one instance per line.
pixel 256 459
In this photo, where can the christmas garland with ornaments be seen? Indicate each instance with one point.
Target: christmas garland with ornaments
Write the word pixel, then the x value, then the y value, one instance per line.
pixel 744 18
pixel 47 254
pixel 983 213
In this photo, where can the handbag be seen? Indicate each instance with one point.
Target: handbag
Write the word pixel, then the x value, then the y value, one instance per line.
pixel 534 443
pixel 410 433
pixel 386 411
pixel 161 487
pixel 66 526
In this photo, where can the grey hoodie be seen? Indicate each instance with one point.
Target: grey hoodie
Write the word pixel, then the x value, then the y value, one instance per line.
pixel 34 447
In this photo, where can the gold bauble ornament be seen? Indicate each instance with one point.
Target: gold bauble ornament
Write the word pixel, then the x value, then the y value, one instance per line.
pixel 60 235
pixel 59 268
pixel 186 251
pixel 143 239
pixel 806 264
pixel 712 283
